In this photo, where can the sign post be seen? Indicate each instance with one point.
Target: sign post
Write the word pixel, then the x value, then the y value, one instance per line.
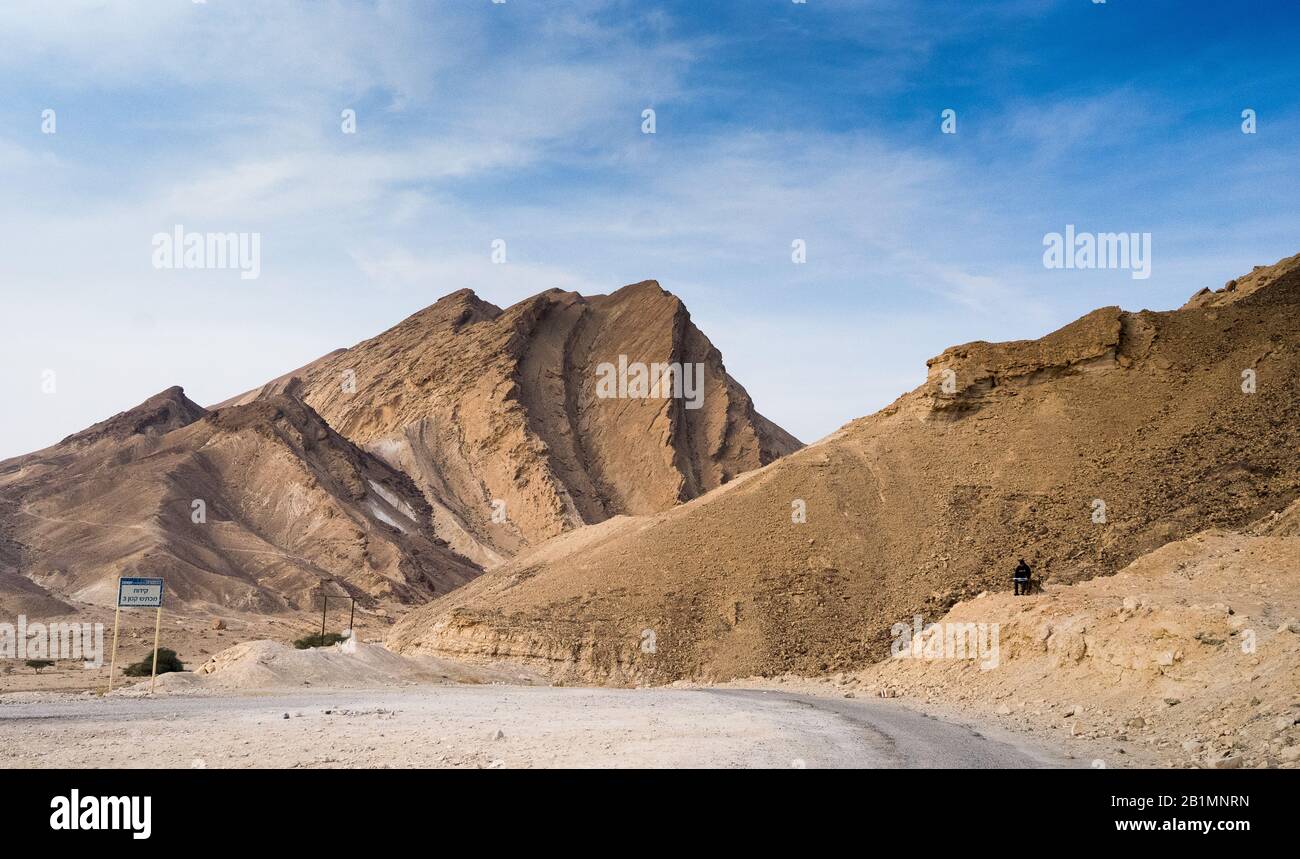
pixel 157 628
pixel 117 616
pixel 137 593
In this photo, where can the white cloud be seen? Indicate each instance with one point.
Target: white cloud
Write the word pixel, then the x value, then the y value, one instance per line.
pixel 520 121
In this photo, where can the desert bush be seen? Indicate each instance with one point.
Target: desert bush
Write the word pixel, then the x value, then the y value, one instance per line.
pixel 167 662
pixel 318 640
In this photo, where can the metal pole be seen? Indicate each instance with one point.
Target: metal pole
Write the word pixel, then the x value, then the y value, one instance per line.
pixel 325 601
pixel 157 628
pixel 117 615
pixel 352 614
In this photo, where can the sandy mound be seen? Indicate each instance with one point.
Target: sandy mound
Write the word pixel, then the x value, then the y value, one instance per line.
pixel 268 665
pixel 1081 451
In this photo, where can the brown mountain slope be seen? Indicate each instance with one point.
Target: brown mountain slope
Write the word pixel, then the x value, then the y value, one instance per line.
pixel 18 594
pixel 288 504
pixel 1079 452
pixel 496 411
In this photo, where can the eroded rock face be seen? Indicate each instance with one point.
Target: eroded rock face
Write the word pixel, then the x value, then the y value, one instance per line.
pixel 964 378
pixel 1079 452
pixel 495 414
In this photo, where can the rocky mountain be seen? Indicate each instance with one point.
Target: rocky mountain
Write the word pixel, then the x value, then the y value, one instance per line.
pixel 252 507
pixel 394 470
pixel 499 416
pixel 1079 452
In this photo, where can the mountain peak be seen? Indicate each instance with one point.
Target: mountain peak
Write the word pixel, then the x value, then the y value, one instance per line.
pixel 459 296
pixel 644 287
pixel 455 309
pixel 163 412
pixel 642 284
pixel 476 402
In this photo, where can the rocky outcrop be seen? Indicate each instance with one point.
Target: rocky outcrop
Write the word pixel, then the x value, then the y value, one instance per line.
pixel 964 378
pixel 1277 284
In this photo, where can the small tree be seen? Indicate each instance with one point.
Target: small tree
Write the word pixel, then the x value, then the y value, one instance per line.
pixel 37 664
pixel 167 662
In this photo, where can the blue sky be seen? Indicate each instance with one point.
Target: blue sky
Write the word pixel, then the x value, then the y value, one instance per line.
pixel 521 121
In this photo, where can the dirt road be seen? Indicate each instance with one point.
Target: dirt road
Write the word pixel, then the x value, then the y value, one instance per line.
pixel 494 726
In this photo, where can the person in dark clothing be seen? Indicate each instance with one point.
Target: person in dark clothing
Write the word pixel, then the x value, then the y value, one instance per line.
pixel 1020 578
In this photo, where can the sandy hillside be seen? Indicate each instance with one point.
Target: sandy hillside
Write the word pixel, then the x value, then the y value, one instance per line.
pixel 1081 452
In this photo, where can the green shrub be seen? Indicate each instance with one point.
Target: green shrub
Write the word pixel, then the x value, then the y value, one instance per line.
pixel 167 662
pixel 318 640
pixel 37 664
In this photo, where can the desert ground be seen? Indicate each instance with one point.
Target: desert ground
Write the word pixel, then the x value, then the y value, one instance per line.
pixel 498 727
pixel 265 704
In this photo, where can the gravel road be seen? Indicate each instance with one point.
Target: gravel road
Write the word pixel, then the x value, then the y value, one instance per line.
pixel 494 726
